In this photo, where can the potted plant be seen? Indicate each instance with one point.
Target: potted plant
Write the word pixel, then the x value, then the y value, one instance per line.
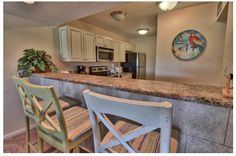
pixel 35 61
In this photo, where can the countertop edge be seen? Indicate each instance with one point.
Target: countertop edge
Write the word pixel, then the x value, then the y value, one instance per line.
pixel 158 94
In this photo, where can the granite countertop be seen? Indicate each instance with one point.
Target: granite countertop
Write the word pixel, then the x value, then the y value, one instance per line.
pixel 210 95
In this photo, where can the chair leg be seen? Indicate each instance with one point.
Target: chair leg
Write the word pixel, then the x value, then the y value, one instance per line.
pixel 71 150
pixel 78 149
pixel 68 151
pixel 40 145
pixel 27 134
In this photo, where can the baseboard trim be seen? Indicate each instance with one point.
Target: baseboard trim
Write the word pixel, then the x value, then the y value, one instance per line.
pixel 12 134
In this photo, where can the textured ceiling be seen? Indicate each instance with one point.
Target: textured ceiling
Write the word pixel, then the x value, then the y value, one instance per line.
pixel 56 13
pixel 139 15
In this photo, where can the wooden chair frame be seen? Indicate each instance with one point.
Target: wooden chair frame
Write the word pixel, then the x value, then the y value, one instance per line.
pixel 151 115
pixel 27 110
pixel 46 127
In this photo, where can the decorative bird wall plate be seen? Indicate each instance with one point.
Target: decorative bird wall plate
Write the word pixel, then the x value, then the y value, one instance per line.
pixel 188 45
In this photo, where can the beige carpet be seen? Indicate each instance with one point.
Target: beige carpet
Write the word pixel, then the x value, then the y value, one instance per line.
pixel 16 144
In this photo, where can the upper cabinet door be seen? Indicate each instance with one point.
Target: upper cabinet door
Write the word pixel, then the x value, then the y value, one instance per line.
pixel 64 46
pixel 89 47
pixel 99 41
pixel 103 41
pixel 108 43
pixel 76 44
pixel 131 47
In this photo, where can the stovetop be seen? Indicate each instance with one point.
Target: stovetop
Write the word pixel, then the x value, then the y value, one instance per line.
pixel 99 70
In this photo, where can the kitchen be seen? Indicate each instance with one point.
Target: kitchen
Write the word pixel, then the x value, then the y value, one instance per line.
pixel 120 58
pixel 98 44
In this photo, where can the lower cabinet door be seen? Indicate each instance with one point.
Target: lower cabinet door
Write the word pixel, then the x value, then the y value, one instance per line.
pixel 127 76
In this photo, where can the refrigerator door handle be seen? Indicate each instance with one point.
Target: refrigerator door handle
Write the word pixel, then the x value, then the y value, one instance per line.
pixel 138 61
pixel 138 72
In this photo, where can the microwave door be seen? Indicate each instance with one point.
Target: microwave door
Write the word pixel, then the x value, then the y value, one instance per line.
pixel 103 56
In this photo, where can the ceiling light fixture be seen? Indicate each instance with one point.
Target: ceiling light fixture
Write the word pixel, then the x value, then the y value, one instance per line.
pixel 118 15
pixel 29 2
pixel 143 31
pixel 167 5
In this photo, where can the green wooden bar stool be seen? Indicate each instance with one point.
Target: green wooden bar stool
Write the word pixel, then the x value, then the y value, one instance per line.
pixel 65 130
pixel 29 112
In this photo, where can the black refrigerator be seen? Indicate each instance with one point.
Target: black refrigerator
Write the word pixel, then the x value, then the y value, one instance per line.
pixel 135 63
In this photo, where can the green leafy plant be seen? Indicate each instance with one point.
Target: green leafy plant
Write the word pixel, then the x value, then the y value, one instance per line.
pixel 35 61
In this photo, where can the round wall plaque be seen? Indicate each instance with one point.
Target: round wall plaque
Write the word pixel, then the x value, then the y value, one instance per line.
pixel 188 45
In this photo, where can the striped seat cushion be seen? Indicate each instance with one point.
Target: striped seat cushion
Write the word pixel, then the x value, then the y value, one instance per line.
pixel 77 122
pixel 147 143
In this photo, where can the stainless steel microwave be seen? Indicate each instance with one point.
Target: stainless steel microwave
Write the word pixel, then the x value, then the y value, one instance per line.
pixel 104 54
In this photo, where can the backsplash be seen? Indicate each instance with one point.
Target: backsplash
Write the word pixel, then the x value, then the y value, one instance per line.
pixel 73 66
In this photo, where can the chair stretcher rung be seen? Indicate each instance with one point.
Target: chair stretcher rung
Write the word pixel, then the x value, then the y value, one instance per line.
pixel 85 149
pixel 32 146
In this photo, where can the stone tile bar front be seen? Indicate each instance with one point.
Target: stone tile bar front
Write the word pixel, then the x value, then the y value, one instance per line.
pixel 205 123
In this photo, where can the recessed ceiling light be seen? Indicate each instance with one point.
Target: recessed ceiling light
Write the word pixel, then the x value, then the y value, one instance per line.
pixel 167 5
pixel 118 15
pixel 29 2
pixel 143 31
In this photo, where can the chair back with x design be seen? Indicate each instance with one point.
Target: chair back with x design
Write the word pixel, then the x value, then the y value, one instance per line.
pixel 23 96
pixel 45 124
pixel 151 115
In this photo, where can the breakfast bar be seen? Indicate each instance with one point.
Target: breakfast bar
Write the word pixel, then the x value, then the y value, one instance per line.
pixel 201 113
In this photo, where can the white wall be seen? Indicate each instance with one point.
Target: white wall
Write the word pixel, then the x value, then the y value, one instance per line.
pixel 147 45
pixel 19 34
pixel 207 68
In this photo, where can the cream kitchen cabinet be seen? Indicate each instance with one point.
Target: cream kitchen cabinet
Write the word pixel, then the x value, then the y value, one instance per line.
pixel 123 47
pixel 131 47
pixel 76 45
pixel 126 76
pixel 89 47
pixel 104 41
pixel 116 51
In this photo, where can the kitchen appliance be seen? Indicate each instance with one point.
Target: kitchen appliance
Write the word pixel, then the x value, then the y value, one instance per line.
pixel 104 54
pixel 99 70
pixel 81 69
pixel 135 63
